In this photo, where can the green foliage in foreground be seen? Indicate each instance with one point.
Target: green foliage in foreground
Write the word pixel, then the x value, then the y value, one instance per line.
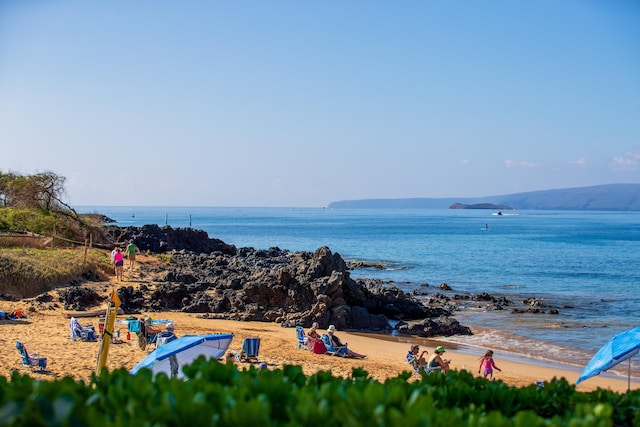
pixel 26 272
pixel 220 395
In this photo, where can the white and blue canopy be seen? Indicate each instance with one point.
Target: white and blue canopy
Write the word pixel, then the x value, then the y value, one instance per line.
pixel 184 350
pixel 618 349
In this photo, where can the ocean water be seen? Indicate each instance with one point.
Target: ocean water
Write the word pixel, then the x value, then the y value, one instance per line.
pixel 585 264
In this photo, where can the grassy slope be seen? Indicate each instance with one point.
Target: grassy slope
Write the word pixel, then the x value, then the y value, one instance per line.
pixel 26 272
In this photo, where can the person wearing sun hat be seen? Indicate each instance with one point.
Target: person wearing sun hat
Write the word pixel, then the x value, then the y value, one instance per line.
pixel 436 361
pixel 167 335
pixel 417 361
pixel 337 343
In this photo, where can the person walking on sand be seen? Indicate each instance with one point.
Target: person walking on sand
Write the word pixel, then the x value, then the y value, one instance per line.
pixel 489 365
pixel 118 262
pixel 132 250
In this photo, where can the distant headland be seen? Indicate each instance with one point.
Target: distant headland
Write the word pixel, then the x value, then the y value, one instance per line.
pixel 481 206
pixel 609 197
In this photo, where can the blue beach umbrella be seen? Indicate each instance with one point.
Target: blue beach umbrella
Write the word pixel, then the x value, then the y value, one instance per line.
pixel 171 357
pixel 621 347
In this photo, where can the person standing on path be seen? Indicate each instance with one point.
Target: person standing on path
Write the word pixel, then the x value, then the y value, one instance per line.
pixel 118 262
pixel 132 250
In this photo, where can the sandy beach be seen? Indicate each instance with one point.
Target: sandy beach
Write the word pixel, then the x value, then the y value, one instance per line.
pixel 47 333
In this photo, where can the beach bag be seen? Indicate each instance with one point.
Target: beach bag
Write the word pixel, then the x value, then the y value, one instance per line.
pixel 319 347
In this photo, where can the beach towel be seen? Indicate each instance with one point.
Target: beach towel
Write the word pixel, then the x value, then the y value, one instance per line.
pixel 319 347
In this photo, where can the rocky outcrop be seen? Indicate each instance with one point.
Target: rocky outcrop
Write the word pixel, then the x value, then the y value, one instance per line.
pixel 218 280
pixel 438 327
pixel 156 239
pixel 274 285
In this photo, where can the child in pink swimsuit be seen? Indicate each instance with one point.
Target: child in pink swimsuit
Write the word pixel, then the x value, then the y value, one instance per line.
pixel 489 365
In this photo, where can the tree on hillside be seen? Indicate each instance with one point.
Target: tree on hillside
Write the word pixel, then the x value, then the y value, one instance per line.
pixel 43 190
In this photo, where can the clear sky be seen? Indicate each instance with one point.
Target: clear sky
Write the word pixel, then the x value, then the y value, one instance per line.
pixel 301 103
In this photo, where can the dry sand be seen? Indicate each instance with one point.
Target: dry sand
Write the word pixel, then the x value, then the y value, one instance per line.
pixel 47 333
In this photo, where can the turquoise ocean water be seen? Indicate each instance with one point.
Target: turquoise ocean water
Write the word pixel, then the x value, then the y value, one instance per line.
pixel 587 264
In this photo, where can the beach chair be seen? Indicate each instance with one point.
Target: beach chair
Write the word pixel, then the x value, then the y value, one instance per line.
pixel 421 369
pixel 75 329
pixel 332 350
pixel 84 333
pixel 302 338
pixel 249 351
pixel 31 360
pixel 165 337
pixel 144 338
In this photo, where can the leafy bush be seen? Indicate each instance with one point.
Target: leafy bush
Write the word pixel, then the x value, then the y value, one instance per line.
pixel 33 220
pixel 221 395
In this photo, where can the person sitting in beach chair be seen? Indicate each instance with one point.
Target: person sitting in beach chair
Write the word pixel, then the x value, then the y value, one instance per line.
pixel 436 362
pixel 330 347
pixel 147 334
pixel 340 348
pixel 31 360
pixel 416 359
pixel 312 335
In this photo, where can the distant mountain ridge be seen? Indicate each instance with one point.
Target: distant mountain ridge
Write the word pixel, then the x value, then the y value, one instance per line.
pixel 608 197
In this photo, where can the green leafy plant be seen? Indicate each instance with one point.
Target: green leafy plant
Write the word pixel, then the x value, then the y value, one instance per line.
pixel 221 395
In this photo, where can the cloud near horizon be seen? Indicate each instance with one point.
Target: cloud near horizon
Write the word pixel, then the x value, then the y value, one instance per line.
pixel 628 161
pixel 580 163
pixel 522 164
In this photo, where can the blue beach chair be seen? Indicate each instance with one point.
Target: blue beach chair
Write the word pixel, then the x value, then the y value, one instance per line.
pixel 31 360
pixel 249 351
pixel 302 339
pixel 332 350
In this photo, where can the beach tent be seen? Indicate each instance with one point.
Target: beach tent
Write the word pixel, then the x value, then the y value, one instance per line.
pixel 171 357
pixel 621 347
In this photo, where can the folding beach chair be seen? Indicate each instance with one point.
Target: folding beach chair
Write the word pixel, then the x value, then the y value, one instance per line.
pixel 31 360
pixel 249 351
pixel 332 350
pixel 418 368
pixel 302 338
pixel 75 329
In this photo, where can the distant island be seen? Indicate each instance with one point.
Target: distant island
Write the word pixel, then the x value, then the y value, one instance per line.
pixel 481 206
pixel 609 197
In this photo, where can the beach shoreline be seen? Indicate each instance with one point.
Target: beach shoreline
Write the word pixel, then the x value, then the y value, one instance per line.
pixel 47 333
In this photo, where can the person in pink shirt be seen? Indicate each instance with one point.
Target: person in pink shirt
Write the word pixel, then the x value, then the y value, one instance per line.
pixel 118 262
pixel 488 364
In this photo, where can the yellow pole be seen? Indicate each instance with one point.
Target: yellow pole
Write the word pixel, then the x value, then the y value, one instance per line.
pixel 109 321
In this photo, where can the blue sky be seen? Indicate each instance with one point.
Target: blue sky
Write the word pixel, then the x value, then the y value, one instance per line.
pixel 289 103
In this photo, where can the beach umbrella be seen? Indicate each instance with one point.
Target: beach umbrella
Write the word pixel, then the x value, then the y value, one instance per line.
pixel 621 347
pixel 171 357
